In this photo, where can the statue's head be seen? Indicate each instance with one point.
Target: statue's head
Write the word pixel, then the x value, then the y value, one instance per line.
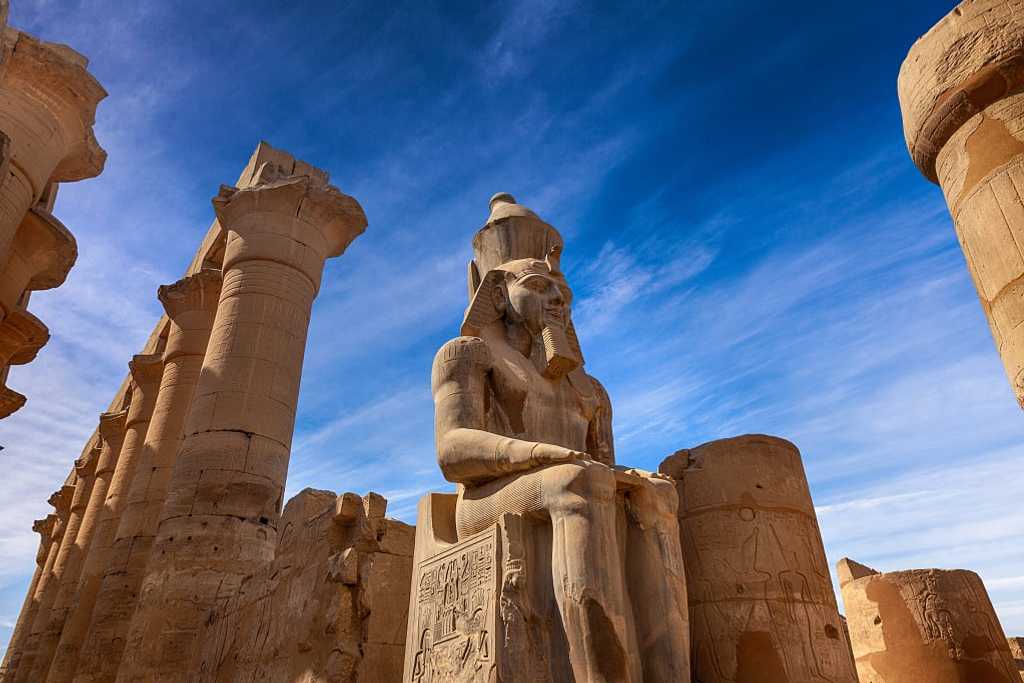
pixel 525 287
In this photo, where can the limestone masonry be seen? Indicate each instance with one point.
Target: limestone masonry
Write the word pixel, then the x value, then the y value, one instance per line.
pixel 172 556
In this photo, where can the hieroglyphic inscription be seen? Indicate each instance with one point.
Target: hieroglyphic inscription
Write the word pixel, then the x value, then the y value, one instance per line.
pixel 455 615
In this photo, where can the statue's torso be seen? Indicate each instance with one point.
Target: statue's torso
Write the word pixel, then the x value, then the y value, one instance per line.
pixel 524 404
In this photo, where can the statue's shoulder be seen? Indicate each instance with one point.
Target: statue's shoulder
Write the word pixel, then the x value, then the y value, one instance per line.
pixel 462 352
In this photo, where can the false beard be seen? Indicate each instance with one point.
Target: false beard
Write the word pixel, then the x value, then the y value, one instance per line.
pixel 558 354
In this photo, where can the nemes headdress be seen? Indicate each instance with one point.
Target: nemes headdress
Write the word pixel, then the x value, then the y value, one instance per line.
pixel 515 241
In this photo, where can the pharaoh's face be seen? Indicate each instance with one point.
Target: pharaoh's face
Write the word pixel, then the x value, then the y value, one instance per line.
pixel 540 300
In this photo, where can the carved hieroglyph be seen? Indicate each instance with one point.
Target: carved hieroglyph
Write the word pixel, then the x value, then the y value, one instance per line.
pixel 762 609
pixel 593 550
pixel 219 522
pixel 963 116
pixel 331 606
pixel 191 304
pixel 930 625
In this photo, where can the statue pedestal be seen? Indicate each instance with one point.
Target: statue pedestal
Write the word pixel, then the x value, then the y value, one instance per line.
pixel 483 609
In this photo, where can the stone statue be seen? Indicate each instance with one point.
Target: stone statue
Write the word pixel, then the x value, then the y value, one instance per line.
pixel 524 431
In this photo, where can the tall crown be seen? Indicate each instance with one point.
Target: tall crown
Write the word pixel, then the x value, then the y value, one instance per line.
pixel 512 232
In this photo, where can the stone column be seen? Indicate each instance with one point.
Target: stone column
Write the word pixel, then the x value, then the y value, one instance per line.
pixel 61 501
pixel 47 107
pixel 219 521
pixel 21 336
pixel 1017 652
pixel 66 562
pixel 104 515
pixel 761 602
pixel 961 89
pixel 112 432
pixel 46 529
pixel 931 625
pixel 191 304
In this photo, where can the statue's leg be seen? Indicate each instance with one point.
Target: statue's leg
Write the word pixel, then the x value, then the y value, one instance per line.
pixel 587 574
pixel 658 586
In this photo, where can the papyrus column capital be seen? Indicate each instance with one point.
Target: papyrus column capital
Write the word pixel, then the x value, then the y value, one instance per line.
pixel 969 60
pixel 298 221
pixel 60 499
pixel 41 256
pixel 55 76
pixel 21 336
pixel 191 304
pixel 146 370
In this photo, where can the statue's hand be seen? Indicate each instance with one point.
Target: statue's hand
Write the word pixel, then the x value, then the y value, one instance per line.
pixel 546 454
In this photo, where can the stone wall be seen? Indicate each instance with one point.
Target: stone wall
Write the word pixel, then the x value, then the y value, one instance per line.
pixel 330 608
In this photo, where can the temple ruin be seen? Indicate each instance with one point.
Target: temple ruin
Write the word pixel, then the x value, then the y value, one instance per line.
pixel 171 554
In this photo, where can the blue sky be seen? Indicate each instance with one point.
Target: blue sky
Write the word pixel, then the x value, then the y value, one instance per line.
pixel 751 248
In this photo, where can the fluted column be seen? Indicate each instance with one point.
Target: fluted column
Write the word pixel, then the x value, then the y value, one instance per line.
pixel 46 529
pixel 21 336
pixel 65 563
pixel 191 304
pixel 112 432
pixel 47 107
pixel 962 94
pixel 225 494
pixel 146 371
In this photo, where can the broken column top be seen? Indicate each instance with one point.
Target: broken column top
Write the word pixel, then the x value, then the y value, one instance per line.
pixel 970 59
pixel 848 570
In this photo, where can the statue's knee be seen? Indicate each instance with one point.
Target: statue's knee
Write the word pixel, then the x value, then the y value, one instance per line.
pixel 580 486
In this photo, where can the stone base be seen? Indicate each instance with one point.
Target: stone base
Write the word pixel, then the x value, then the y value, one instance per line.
pixel 483 609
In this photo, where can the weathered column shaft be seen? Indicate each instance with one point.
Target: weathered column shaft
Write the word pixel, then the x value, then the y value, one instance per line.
pixel 112 432
pixel 761 602
pixel 46 528
pixel 219 520
pixel 923 625
pixel 963 115
pixel 65 562
pixel 191 304
pixel 146 371
pixel 47 107
pixel 61 500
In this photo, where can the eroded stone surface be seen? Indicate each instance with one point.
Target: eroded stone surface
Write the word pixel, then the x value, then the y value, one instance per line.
pixel 762 608
pixel 923 625
pixel 1017 652
pixel 331 607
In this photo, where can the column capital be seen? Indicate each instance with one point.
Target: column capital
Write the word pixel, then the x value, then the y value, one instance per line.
pixel 296 220
pixel 197 292
pixel 44 526
pixel 971 59
pixel 86 466
pixel 55 76
pixel 21 336
pixel 146 370
pixel 111 427
pixel 45 248
pixel 61 499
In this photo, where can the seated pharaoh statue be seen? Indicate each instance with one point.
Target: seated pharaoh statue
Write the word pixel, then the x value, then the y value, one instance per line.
pixel 550 563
